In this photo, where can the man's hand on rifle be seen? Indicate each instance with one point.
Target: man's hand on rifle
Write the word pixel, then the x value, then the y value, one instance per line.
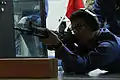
pixel 52 39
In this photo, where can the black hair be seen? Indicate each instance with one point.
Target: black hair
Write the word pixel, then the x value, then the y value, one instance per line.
pixel 89 18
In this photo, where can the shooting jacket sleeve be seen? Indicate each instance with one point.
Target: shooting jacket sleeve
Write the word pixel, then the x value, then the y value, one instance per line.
pixel 104 54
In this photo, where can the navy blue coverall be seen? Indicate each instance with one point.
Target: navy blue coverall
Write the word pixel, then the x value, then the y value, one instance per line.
pixel 102 52
pixel 106 12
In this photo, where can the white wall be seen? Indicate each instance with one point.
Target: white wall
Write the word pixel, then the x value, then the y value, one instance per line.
pixel 57 9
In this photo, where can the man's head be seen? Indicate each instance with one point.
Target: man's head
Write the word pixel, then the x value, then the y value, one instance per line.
pixel 84 24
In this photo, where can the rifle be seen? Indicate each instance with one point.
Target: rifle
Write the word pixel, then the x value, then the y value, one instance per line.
pixel 43 33
pixel 34 30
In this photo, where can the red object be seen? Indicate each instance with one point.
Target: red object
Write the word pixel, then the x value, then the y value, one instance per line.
pixel 74 5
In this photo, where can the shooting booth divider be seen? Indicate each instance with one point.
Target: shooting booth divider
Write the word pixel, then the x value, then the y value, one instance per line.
pixel 7 33
pixel 12 66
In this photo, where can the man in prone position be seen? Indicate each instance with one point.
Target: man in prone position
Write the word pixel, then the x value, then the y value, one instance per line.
pixel 96 48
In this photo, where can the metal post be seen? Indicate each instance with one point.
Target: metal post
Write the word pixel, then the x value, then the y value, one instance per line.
pixel 42 13
pixel 43 23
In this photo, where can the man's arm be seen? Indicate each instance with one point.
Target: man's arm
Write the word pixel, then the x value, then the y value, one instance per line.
pixel 104 54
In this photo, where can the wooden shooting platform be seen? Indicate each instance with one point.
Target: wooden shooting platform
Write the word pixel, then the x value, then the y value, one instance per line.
pixel 28 68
